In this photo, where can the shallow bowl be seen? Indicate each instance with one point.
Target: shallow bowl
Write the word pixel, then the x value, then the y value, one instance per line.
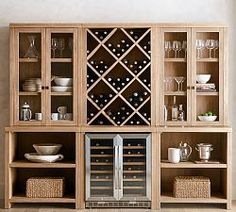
pixel 203 78
pixel 61 88
pixel 207 118
pixel 63 81
pixel 47 148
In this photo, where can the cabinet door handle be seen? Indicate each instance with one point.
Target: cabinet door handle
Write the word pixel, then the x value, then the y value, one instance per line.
pixel 193 87
pixel 188 87
pixel 47 87
pixel 43 87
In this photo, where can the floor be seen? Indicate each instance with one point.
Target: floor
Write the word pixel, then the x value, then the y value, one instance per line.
pixel 169 208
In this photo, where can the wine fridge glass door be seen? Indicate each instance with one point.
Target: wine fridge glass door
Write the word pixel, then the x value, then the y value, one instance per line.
pixel 101 166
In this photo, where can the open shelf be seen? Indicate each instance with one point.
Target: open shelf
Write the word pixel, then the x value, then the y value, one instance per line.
pixel 61 60
pixel 215 198
pixel 20 198
pixel 28 60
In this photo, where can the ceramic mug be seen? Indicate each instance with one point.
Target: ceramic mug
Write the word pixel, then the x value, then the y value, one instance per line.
pixel 55 116
pixel 38 116
pixel 68 116
pixel 62 109
pixel 174 155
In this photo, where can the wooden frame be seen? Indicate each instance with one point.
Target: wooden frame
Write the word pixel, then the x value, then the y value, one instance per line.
pixel 157 127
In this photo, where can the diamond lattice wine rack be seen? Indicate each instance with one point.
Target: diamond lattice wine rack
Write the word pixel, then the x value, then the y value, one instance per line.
pixel 118 76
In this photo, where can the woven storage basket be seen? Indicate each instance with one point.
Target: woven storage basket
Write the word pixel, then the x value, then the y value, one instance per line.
pixel 192 187
pixel 44 187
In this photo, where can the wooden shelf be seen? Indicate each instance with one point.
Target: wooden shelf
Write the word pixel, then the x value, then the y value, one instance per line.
pixel 134 155
pixel 208 60
pixel 28 60
pixel 21 198
pixel 101 164
pixel 175 93
pixel 209 93
pixel 101 147
pixel 134 147
pixel 61 60
pixel 27 93
pixel 215 198
pixel 134 180
pixel 176 60
pixel 183 165
pixel 27 164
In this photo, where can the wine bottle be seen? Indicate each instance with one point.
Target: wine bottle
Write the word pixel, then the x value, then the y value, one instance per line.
pixel 174 110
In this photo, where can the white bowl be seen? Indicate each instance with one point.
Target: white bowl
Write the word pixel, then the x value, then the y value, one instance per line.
pixel 203 78
pixel 61 81
pixel 207 118
pixel 34 157
pixel 61 88
pixel 47 148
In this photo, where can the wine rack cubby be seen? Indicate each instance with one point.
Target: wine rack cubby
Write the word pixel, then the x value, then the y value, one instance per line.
pixel 118 74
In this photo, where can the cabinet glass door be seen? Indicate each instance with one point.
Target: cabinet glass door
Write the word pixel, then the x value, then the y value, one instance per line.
pixel 29 76
pixel 175 77
pixel 208 76
pixel 135 167
pixel 101 166
pixel 61 76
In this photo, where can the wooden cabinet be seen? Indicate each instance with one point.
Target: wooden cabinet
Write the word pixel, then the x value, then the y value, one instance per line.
pixel 33 68
pixel 186 64
pixel 121 77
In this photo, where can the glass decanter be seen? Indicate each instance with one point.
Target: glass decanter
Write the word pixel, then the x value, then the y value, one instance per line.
pixel 32 51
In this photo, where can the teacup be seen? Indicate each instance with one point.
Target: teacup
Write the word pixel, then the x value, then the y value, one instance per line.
pixel 68 116
pixel 55 116
pixel 62 109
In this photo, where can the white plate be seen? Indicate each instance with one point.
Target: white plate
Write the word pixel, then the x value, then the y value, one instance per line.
pixel 61 89
pixel 35 157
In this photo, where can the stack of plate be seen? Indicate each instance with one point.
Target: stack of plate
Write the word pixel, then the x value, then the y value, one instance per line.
pixel 63 84
pixel 45 153
pixel 32 84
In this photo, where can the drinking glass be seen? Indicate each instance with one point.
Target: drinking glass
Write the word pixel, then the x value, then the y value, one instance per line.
pixel 168 48
pixel 54 46
pixel 181 83
pixel 179 80
pixel 184 47
pixel 169 81
pixel 200 45
pixel 179 48
pixel 216 47
pixel 61 46
pixel 176 47
pixel 210 45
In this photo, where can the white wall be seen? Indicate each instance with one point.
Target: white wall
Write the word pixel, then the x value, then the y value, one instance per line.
pixel 80 11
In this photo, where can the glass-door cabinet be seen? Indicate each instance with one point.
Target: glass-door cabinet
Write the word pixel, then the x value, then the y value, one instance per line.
pixel 209 75
pixel 27 48
pixel 43 83
pixel 61 76
pixel 175 75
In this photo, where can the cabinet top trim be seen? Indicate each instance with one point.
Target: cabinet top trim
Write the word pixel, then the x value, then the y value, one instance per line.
pixel 87 25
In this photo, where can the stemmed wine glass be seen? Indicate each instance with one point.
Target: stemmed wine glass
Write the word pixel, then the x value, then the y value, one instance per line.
pixel 54 46
pixel 200 44
pixel 176 46
pixel 168 48
pixel 32 51
pixel 181 83
pixel 167 81
pixel 216 47
pixel 210 45
pixel 179 80
pixel 61 46
pixel 184 47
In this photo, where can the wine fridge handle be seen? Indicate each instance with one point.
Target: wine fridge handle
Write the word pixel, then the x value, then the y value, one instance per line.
pixel 120 167
pixel 116 167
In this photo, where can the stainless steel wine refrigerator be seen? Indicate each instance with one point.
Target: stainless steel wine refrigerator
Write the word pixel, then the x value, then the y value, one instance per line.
pixel 118 170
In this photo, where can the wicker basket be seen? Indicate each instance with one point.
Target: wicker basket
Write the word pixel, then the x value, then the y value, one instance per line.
pixel 44 187
pixel 192 187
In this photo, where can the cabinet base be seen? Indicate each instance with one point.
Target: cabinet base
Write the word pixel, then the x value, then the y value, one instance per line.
pixel 118 204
